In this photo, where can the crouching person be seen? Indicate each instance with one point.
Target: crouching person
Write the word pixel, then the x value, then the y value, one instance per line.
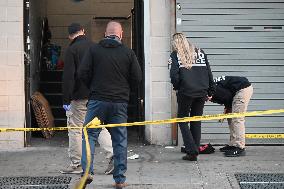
pixel 234 93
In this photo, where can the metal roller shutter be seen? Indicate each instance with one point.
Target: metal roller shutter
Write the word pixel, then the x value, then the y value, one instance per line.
pixel 241 38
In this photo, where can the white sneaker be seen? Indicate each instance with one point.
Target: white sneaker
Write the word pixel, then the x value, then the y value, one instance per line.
pixel 72 170
pixel 110 167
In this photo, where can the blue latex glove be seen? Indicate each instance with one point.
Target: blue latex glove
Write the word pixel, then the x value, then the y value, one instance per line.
pixel 67 107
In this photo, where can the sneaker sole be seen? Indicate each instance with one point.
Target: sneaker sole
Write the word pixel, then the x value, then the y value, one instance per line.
pixel 242 154
pixel 109 172
pixel 224 151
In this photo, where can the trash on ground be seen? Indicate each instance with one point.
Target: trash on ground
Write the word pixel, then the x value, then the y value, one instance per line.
pixel 169 147
pixel 135 156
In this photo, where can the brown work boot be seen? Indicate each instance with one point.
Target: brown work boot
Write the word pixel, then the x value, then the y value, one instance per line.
pixel 119 185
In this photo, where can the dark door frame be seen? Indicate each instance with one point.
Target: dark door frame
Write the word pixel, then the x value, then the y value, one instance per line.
pixel 27 61
pixel 138 47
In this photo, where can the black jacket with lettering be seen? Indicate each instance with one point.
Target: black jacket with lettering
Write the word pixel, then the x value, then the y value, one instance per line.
pixel 109 69
pixel 194 82
pixel 72 87
pixel 226 88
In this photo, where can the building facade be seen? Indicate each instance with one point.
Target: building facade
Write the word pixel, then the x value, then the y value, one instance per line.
pixel 12 94
pixel 240 38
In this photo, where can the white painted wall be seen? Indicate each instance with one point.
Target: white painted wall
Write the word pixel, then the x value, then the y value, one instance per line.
pixel 12 108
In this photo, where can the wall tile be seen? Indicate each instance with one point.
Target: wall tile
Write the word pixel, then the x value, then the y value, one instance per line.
pixel 160 89
pixel 161 105
pixel 3 72
pixel 3 14
pixel 160 74
pixel 3 43
pixel 15 3
pixel 15 87
pixel 160 59
pixel 4 118
pixel 14 103
pixel 14 14
pixel 15 43
pixel 17 118
pixel 14 58
pixel 14 73
pixel 160 44
pixel 3 87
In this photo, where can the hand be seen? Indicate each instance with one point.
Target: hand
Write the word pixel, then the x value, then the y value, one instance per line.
pixel 221 120
pixel 227 110
pixel 67 107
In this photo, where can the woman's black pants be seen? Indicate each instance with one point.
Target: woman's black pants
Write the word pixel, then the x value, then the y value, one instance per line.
pixel 191 135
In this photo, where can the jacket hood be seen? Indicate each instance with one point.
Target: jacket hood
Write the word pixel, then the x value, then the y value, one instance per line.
pixel 109 43
pixel 78 38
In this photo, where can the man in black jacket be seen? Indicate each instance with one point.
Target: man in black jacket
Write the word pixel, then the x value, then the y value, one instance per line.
pixel 75 95
pixel 234 93
pixel 109 69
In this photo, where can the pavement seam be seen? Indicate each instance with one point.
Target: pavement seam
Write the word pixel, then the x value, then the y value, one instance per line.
pixel 229 180
pixel 200 174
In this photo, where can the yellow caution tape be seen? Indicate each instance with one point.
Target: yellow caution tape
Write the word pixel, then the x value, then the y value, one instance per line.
pixel 265 136
pixel 195 118
pixel 81 184
pixel 95 123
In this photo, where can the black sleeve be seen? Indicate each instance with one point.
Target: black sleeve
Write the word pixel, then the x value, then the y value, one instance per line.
pixel 222 96
pixel 68 77
pixel 174 73
pixel 212 86
pixel 135 72
pixel 85 70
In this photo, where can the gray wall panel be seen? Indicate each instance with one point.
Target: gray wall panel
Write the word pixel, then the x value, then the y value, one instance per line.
pixel 241 38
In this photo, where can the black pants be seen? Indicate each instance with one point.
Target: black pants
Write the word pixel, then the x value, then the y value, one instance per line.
pixel 191 136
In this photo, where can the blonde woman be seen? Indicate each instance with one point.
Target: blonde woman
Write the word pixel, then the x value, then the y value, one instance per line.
pixel 192 78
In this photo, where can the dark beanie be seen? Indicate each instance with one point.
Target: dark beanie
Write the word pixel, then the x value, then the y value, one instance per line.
pixel 74 28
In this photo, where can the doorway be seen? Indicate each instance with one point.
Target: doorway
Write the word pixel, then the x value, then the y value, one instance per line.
pixel 53 16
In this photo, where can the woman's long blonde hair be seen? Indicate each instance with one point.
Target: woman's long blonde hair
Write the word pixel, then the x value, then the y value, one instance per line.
pixel 184 49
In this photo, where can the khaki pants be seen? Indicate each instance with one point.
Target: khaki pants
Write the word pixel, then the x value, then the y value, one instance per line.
pixel 237 125
pixel 76 118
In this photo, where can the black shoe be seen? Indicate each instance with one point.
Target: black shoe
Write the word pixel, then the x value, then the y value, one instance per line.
pixel 89 179
pixel 227 148
pixel 182 149
pixel 236 152
pixel 190 157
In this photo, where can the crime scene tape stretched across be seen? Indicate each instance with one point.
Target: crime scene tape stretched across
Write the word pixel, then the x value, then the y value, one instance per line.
pixel 81 183
pixel 95 123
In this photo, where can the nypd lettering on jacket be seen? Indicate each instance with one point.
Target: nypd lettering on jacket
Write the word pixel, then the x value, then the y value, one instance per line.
pixel 198 56
pixel 194 82
pixel 221 78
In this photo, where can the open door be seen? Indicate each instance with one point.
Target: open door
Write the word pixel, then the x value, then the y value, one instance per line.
pixel 94 12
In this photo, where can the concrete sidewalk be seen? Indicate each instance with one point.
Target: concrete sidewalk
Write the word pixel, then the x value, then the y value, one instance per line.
pixel 157 166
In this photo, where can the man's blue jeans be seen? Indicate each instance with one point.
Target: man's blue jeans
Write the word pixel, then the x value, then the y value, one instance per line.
pixel 108 112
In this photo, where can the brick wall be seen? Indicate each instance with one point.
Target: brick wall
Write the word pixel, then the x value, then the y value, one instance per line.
pixel 12 108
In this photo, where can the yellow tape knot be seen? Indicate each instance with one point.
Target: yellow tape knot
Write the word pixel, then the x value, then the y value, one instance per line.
pixel 94 122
